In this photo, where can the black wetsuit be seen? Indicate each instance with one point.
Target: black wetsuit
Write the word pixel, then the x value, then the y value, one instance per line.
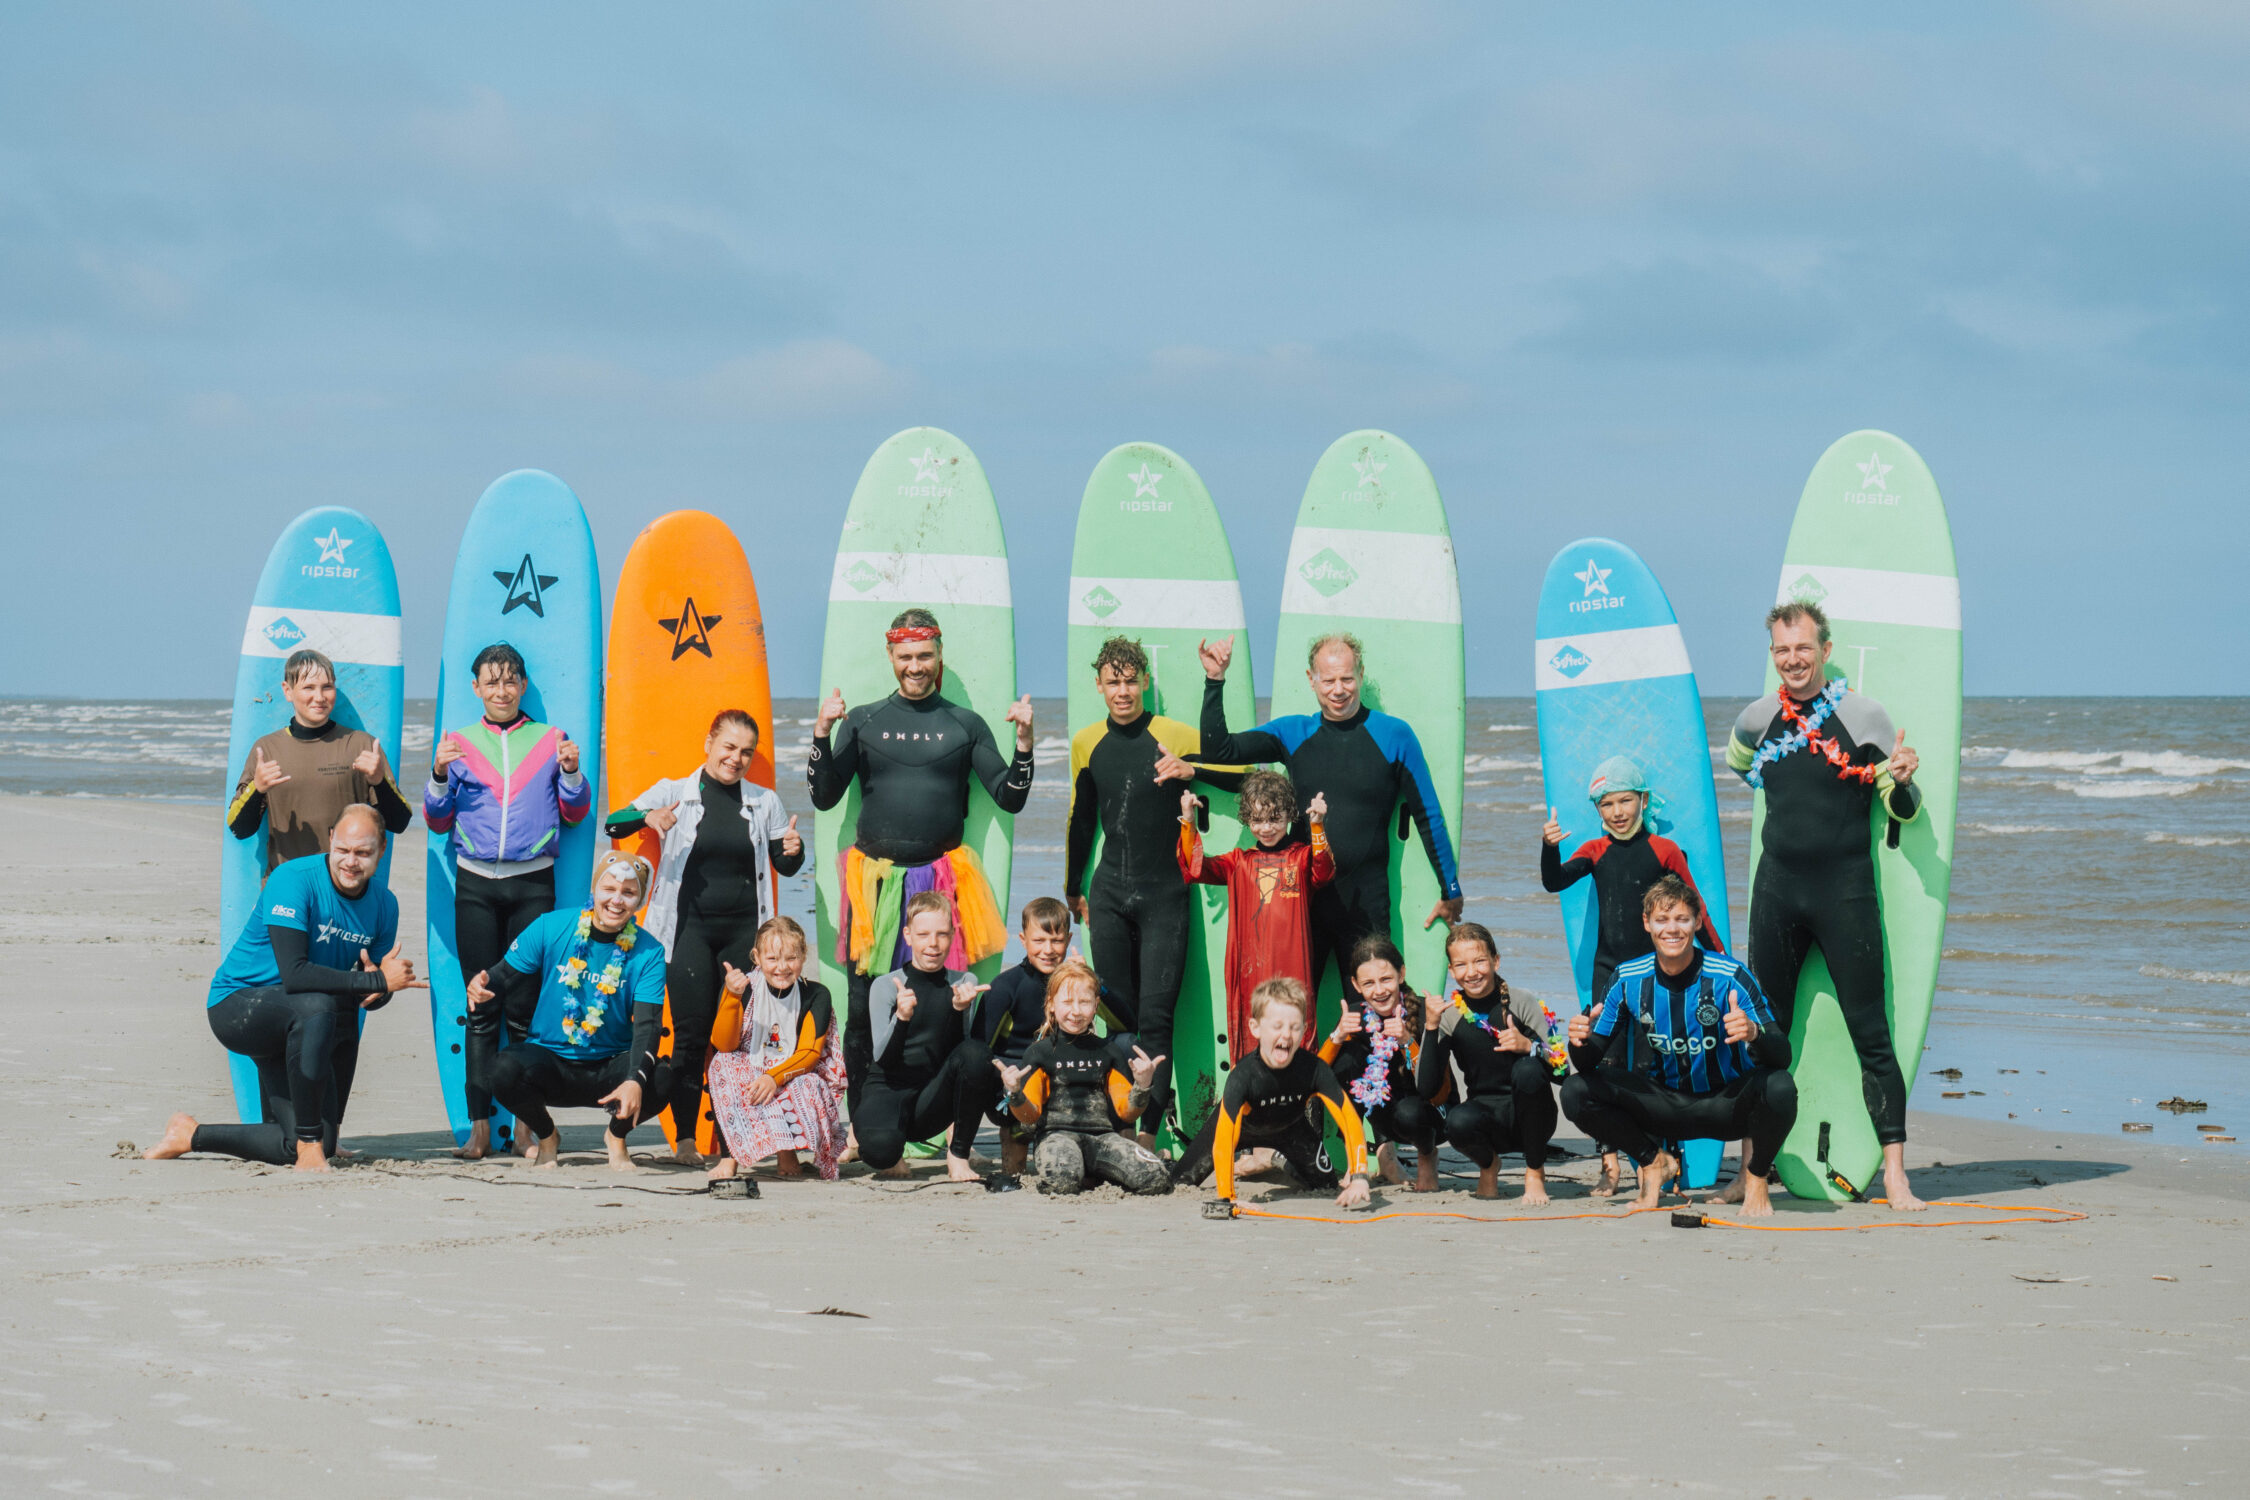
pixel 913 758
pixel 1368 766
pixel 1137 906
pixel 1816 881
pixel 1623 870
pixel 529 1080
pixel 1079 1096
pixel 1405 1116
pixel 1509 1104
pixel 919 1075
pixel 721 904
pixel 1263 1108
pixel 303 1034
pixel 1688 1082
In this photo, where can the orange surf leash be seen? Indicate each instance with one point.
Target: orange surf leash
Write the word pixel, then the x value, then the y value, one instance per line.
pixel 2021 1213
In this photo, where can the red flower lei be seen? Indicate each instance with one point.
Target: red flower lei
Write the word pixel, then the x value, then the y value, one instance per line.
pixel 1824 744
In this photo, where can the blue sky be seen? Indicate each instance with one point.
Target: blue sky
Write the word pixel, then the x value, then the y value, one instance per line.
pixel 1612 269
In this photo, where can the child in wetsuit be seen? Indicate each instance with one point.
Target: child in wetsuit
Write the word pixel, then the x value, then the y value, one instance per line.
pixel 1009 1016
pixel 1268 1102
pixel 1506 1053
pixel 1624 862
pixel 1374 1051
pixel 1269 891
pixel 1079 1092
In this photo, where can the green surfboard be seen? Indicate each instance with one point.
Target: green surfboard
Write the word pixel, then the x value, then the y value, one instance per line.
pixel 1372 554
pixel 921 531
pixel 1871 546
pixel 1151 561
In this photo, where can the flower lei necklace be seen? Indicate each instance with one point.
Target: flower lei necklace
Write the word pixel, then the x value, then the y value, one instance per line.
pixel 1372 1088
pixel 582 1017
pixel 1553 1046
pixel 1804 730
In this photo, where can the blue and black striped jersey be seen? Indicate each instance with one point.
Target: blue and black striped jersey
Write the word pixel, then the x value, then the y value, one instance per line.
pixel 1678 1025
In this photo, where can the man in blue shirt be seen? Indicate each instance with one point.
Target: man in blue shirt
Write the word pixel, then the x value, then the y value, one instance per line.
pixel 289 997
pixel 1708 1058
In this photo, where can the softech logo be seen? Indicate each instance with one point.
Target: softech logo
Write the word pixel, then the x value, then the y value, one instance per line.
pixel 1570 661
pixel 1100 602
pixel 1327 572
pixel 284 634
pixel 1807 589
pixel 862 577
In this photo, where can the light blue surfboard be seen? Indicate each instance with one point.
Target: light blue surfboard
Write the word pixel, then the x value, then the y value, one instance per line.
pixel 1613 678
pixel 327 585
pixel 527 575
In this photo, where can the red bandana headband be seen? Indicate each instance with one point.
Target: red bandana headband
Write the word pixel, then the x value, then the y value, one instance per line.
pixel 911 633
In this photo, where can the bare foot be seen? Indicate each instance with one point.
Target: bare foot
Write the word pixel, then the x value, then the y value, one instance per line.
pixel 851 1148
pixel 1488 1180
pixel 1606 1185
pixel 1248 1163
pixel 310 1158
pixel 1757 1199
pixel 1661 1170
pixel 1897 1191
pixel 785 1164
pixel 480 1141
pixel 179 1137
pixel 621 1155
pixel 1534 1185
pixel 722 1169
pixel 1735 1191
pixel 960 1169
pixel 1014 1152
pixel 686 1155
pixel 896 1170
pixel 1386 1164
pixel 526 1145
pixel 1425 1171
pixel 544 1152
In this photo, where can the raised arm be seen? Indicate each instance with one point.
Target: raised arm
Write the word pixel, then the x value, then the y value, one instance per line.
pixel 1008 781
pixel 833 761
pixel 1223 748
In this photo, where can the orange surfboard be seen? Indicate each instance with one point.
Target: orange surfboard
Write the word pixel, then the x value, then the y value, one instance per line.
pixel 686 641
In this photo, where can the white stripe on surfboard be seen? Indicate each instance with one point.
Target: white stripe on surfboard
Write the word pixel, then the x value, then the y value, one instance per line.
pixel 363 640
pixel 1874 596
pixel 1157 603
pixel 921 578
pixel 1377 575
pixel 1567 661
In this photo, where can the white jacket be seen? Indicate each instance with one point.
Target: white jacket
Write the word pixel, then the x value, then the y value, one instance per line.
pixel 761 809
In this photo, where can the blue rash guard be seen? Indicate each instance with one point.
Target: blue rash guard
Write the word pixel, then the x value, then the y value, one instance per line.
pixel 599 1025
pixel 300 896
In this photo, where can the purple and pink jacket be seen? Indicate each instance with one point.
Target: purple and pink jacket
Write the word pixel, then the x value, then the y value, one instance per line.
pixel 506 801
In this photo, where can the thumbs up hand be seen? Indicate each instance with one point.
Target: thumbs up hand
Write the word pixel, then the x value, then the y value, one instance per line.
pixel 1904 762
pixel 1740 1028
pixel 792 842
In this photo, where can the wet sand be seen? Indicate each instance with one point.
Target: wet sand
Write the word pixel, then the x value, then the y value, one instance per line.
pixel 410 1326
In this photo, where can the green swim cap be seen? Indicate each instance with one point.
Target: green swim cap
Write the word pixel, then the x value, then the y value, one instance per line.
pixel 1620 773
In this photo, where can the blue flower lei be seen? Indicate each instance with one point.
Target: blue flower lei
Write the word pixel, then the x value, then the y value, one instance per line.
pixel 1796 739
pixel 1372 1088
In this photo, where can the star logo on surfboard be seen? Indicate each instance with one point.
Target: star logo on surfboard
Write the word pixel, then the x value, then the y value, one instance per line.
pixel 332 545
pixel 526 586
pixel 1145 482
pixel 1596 579
pixel 1370 469
pixel 690 630
pixel 926 467
pixel 1871 473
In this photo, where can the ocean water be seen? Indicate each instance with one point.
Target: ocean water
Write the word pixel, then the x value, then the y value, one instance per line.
pixel 2097 954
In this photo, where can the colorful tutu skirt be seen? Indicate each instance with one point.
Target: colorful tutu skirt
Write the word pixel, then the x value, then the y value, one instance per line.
pixel 875 892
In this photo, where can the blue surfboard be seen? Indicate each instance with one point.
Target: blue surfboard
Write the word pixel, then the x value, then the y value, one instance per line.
pixel 527 575
pixel 1613 678
pixel 327 585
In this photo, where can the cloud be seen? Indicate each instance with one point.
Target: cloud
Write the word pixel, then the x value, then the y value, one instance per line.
pixel 1379 373
pixel 805 378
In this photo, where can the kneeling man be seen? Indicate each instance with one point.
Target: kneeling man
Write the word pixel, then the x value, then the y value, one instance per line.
pixel 1708 1058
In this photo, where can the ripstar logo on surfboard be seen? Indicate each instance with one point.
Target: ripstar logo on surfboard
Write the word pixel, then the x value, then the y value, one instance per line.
pixel 1570 661
pixel 1598 596
pixel 1872 490
pixel 526 586
pixel 330 563
pixel 929 468
pixel 284 634
pixel 1327 572
pixel 690 630
pixel 1100 602
pixel 1144 485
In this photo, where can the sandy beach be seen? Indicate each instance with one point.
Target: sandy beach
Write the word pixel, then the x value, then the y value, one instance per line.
pixel 409 1326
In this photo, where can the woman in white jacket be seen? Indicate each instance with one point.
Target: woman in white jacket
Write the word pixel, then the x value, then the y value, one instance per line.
pixel 724 839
